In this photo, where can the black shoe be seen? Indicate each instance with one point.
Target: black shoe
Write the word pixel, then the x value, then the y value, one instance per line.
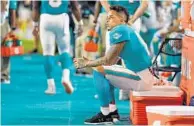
pixel 115 115
pixel 100 119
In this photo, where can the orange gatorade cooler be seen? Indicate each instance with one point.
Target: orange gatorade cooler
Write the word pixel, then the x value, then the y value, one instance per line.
pixel 12 51
pixel 190 69
pixel 170 115
pixel 159 95
pixel 11 46
pixel 185 14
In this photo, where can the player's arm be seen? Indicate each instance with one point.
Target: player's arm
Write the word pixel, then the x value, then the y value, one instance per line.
pixel 35 16
pixel 12 15
pixel 35 11
pixel 105 4
pixel 175 27
pixel 77 14
pixel 176 23
pixel 98 7
pixel 109 59
pixel 140 11
pixel 76 10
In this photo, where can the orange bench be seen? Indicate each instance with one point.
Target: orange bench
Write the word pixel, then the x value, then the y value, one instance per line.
pixel 187 77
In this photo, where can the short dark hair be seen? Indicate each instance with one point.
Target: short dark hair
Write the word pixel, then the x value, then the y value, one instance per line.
pixel 120 9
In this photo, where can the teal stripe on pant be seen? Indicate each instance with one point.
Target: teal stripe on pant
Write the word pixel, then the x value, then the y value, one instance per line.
pixel 122 74
pixel 66 60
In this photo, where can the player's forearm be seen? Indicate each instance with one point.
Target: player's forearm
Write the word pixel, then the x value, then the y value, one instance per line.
pixel 35 11
pixel 76 10
pixel 140 11
pixel 175 27
pixel 97 11
pixel 105 4
pixel 13 18
pixel 101 61
pixel 110 58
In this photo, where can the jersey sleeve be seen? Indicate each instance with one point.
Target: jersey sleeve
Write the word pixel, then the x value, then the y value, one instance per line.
pixel 13 4
pixel 119 34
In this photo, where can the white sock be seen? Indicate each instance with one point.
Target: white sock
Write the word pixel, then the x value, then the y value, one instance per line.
pixel 66 75
pixel 105 110
pixel 112 107
pixel 50 82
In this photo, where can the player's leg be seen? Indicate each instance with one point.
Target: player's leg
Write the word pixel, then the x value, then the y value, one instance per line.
pixel 120 77
pixel 5 61
pixel 106 95
pixel 126 79
pixel 63 42
pixel 48 45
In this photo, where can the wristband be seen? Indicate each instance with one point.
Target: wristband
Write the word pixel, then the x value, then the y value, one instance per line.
pixel 35 24
pixel 13 28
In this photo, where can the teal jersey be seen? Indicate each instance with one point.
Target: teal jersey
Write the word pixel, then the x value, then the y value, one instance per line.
pixel 135 52
pixel 130 5
pixel 54 7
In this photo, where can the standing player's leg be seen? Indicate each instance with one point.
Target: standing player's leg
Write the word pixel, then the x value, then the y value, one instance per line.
pixel 63 42
pixel 5 61
pixel 48 45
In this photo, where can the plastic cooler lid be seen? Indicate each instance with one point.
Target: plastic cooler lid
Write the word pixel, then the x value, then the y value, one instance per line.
pixel 163 91
pixel 171 110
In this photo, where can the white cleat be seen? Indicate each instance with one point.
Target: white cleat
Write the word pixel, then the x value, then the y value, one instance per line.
pixel 5 82
pixel 68 87
pixel 50 91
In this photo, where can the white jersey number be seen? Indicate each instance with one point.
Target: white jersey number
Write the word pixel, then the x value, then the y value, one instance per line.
pixel 54 3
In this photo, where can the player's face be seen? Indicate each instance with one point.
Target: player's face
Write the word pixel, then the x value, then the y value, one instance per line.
pixel 113 19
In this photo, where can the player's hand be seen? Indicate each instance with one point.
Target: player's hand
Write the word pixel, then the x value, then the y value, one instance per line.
pixel 35 31
pixel 163 34
pixel 130 22
pixel 11 33
pixel 161 82
pixel 78 30
pixel 80 62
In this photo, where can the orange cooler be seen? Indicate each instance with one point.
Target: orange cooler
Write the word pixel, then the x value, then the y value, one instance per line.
pixel 159 95
pixel 170 115
pixel 11 51
pixel 187 78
